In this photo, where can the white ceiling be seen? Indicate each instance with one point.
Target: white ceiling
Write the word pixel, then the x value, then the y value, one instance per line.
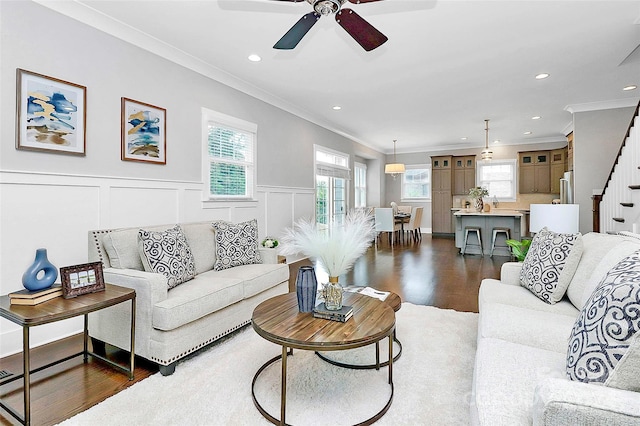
pixel 447 66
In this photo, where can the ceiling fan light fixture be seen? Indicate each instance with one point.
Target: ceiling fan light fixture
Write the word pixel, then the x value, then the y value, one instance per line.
pixel 394 168
pixel 486 153
pixel 327 7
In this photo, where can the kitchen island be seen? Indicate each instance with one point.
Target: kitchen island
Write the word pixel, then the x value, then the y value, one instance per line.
pixel 486 221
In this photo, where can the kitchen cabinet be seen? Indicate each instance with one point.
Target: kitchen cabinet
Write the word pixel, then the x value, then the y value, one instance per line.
pixel 535 172
pixel 441 197
pixel 558 165
pixel 464 174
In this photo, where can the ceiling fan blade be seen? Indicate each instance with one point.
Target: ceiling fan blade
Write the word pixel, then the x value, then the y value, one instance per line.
pixel 362 1
pixel 363 32
pixel 295 34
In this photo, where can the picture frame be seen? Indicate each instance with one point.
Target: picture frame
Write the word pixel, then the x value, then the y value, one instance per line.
pixel 51 114
pixel 143 129
pixel 81 279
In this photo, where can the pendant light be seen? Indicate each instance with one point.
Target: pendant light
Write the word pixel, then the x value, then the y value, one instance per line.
pixel 394 168
pixel 486 152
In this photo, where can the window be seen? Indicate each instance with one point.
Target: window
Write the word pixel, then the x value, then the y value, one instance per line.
pixel 229 156
pixel 360 184
pixel 416 182
pixel 499 177
pixel 332 173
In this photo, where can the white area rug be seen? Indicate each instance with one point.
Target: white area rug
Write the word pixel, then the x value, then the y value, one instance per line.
pixel 432 382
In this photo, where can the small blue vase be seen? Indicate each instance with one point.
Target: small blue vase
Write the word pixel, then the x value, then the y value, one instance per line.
pixel 306 288
pixel 30 279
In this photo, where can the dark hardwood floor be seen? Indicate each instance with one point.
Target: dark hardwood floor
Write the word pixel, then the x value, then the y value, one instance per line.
pixel 427 273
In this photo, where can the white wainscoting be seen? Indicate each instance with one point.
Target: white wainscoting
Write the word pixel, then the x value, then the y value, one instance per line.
pixel 56 211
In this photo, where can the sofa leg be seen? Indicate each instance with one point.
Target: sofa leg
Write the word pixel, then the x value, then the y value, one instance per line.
pixel 99 347
pixel 167 370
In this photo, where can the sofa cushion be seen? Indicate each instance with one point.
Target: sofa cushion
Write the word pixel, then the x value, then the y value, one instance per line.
pixel 494 291
pixel 256 278
pixel 539 329
pixel 201 239
pixel 236 244
pixel 204 294
pixel 167 253
pixel 550 264
pixel 605 340
pixel 505 377
pixel 122 248
pixel 595 248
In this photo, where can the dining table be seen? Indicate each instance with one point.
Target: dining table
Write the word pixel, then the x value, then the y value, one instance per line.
pixel 401 218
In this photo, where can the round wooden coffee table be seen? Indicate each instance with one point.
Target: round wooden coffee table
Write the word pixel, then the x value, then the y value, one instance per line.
pixel 279 321
pixel 394 301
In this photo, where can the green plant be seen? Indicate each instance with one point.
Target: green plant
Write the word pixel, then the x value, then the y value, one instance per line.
pixel 519 248
pixel 478 192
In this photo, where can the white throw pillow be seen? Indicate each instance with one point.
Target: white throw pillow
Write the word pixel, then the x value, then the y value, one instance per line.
pixel 236 244
pixel 167 253
pixel 604 346
pixel 550 263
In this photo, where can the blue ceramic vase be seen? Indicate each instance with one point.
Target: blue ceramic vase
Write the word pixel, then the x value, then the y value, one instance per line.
pixel 306 288
pixel 33 279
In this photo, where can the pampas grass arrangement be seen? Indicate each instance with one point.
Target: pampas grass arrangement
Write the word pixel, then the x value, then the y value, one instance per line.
pixel 336 248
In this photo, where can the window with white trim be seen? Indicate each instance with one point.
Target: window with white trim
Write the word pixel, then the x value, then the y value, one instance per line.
pixel 332 174
pixel 499 177
pixel 416 182
pixel 360 184
pixel 230 163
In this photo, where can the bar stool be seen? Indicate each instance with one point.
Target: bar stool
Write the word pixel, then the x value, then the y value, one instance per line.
pixel 472 229
pixel 496 231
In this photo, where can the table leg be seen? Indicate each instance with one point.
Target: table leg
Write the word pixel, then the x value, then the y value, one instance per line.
pixel 26 366
pixel 391 359
pixel 283 386
pixel 133 338
pixel 86 338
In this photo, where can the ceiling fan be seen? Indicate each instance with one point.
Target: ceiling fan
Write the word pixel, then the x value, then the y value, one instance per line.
pixel 363 32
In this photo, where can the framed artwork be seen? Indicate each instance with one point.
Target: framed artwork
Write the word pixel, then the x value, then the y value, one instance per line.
pixel 51 114
pixel 81 279
pixel 143 132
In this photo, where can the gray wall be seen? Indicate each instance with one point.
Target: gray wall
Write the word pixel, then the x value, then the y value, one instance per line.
pixel 597 137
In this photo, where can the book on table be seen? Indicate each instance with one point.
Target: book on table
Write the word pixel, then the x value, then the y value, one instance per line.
pixel 342 315
pixel 30 298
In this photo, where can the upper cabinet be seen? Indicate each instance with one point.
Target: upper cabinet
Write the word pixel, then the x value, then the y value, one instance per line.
pixel 441 173
pixel 535 169
pixel 540 171
pixel 464 174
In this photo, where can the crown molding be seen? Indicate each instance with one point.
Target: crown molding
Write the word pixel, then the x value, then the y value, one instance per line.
pixel 597 106
pixel 87 15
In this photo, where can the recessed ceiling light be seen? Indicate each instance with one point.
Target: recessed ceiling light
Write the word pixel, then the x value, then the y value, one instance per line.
pixel 527 132
pixel 496 141
pixel 254 58
pixel 337 108
pixel 630 87
pixel 464 138
pixel 536 117
pixel 542 76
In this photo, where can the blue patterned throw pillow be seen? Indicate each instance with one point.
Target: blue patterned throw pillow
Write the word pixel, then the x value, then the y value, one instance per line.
pixel 604 347
pixel 167 253
pixel 236 244
pixel 551 261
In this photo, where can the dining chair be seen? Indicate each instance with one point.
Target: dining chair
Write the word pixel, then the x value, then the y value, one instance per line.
pixel 413 226
pixel 394 207
pixel 384 222
pixel 404 209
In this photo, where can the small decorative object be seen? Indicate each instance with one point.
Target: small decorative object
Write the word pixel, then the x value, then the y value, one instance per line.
pixel 476 194
pixel 495 202
pixel 144 128
pixel 306 288
pixel 51 114
pixel 335 248
pixel 519 249
pixel 32 279
pixel 269 242
pixel 486 208
pixel 332 294
pixel 81 279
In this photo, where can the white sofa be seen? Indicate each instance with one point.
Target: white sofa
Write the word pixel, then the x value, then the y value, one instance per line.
pixel 520 369
pixel 172 323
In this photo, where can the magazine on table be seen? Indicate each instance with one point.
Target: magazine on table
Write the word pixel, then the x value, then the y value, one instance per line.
pixel 368 291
